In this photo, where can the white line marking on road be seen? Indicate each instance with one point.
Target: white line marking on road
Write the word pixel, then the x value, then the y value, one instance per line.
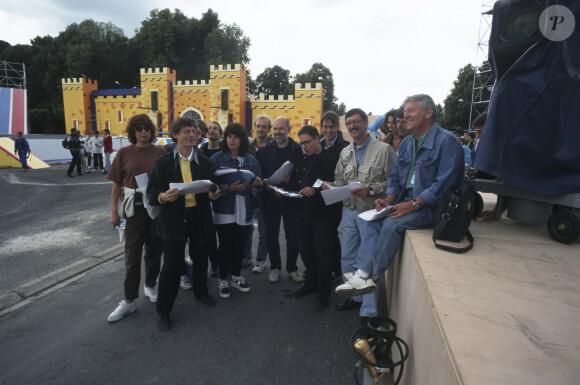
pixel 13 179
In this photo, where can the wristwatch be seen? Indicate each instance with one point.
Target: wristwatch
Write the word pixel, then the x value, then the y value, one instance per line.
pixel 416 204
pixel 371 191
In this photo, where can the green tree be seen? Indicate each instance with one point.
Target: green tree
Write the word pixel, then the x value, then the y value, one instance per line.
pixel 440 114
pixel 458 103
pixel 274 81
pixel 96 50
pixel 318 73
pixel 188 45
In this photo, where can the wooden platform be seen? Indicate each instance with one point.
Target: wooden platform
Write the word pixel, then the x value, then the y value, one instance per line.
pixel 507 312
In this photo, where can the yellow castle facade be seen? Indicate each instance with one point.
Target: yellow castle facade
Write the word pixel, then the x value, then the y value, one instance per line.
pixel 221 98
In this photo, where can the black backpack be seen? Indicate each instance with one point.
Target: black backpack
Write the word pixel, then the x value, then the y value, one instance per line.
pixel 65 143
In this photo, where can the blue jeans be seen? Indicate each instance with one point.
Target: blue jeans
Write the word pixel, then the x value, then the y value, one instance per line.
pixel 353 229
pixel 262 254
pixel 382 238
pixel 107 161
pixel 23 161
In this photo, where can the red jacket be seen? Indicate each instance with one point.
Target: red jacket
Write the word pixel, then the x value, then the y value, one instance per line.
pixel 108 144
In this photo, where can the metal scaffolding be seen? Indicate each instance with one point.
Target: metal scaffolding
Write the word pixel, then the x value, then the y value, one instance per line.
pixel 482 77
pixel 12 75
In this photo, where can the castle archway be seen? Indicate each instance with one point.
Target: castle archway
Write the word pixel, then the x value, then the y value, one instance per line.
pixel 192 112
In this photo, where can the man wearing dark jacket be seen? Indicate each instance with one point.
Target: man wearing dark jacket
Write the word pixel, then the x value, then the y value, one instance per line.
pixel 333 142
pixel 182 217
pixel 271 158
pixel 315 220
pixel 74 145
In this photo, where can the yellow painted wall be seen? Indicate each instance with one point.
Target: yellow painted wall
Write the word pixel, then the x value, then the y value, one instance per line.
pixel 107 107
pixel 306 103
pixel 160 80
pixel 194 94
pixel 203 97
pixel 76 93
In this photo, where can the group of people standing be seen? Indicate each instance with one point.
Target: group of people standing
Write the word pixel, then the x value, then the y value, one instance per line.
pixel 88 150
pixel 164 221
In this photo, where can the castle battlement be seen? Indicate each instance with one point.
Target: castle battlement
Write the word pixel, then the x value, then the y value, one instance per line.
pixel 308 87
pixel 156 71
pixel 192 83
pixel 271 98
pixel 98 98
pixel 76 81
pixel 228 67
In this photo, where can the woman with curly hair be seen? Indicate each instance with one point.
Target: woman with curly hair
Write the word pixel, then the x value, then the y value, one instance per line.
pixel 133 160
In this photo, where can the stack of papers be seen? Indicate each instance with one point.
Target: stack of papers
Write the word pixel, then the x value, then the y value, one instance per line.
pixel 373 215
pixel 286 193
pixel 278 176
pixel 194 187
pixel 232 175
pixel 338 194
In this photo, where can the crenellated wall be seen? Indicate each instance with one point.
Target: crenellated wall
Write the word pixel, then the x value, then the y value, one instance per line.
pixel 95 109
pixel 302 108
pixel 76 94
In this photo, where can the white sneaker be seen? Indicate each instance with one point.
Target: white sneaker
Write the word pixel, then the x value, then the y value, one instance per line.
pixel 122 310
pixel 259 267
pixel 348 275
pixel 151 292
pixel 296 276
pixel 240 283
pixel 274 275
pixel 356 286
pixel 185 283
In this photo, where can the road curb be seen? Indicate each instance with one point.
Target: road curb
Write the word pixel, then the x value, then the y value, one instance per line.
pixel 49 280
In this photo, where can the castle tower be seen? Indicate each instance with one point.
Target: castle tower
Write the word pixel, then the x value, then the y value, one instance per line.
pixel 76 94
pixel 227 94
pixel 157 95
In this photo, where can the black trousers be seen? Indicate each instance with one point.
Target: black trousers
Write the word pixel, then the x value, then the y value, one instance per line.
pixel 272 214
pixel 75 162
pixel 315 238
pixel 98 158
pixel 174 264
pixel 232 239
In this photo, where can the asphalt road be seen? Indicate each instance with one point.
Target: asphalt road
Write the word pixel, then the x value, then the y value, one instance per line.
pixel 62 336
pixel 48 221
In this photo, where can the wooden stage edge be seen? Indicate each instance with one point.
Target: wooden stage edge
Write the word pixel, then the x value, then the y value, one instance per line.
pixel 506 312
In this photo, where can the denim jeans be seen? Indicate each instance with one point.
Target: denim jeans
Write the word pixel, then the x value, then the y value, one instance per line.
pixel 353 228
pixel 262 253
pixel 382 238
pixel 107 161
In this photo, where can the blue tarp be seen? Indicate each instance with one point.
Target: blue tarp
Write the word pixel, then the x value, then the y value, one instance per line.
pixel 531 138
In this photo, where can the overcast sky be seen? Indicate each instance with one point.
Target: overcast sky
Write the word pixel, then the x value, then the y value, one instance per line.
pixel 379 51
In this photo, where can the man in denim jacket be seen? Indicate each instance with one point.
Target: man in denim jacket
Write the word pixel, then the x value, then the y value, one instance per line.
pixel 429 162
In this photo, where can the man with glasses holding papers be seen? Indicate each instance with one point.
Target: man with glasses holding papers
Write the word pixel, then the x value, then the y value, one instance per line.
pixel 182 217
pixel 368 161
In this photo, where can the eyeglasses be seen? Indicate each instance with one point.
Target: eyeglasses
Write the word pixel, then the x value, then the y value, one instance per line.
pixel 306 142
pixel 141 128
pixel 354 122
pixel 328 126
